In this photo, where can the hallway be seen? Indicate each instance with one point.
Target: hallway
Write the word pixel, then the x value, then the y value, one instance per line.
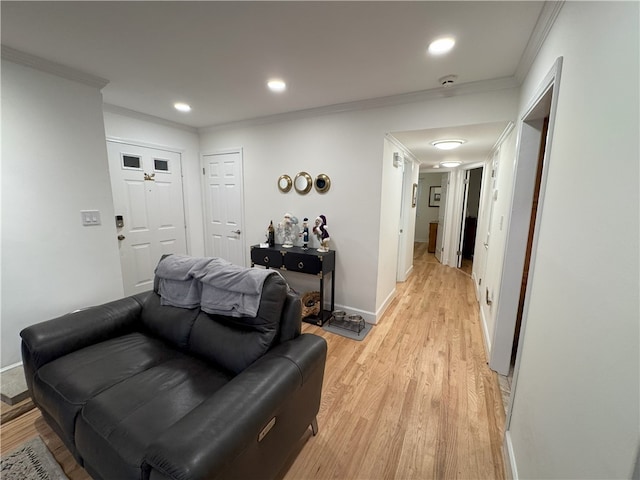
pixel 415 399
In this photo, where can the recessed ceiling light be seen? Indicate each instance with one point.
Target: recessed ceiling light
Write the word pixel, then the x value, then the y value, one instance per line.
pixel 450 164
pixel 182 107
pixel 276 85
pixel 447 144
pixel 441 45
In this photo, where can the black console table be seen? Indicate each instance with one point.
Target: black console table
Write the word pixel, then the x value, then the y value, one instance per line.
pixel 297 259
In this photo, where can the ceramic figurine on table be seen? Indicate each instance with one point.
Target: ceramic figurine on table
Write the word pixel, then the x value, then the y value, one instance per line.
pixel 305 234
pixel 287 229
pixel 322 233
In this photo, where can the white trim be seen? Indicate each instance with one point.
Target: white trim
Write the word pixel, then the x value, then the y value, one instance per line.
pixel 367 316
pixel 138 143
pixel 383 308
pixel 546 19
pixel 505 133
pixel 110 108
pixel 57 69
pixel 552 80
pixel 9 367
pixel 405 151
pixel 485 328
pixel 511 469
pixel 391 100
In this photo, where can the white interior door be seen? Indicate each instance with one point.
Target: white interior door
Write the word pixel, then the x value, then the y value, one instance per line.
pixel 441 214
pixel 224 202
pixel 147 195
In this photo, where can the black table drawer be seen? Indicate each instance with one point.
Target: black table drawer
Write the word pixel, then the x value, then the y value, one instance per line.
pixel 302 263
pixel 266 258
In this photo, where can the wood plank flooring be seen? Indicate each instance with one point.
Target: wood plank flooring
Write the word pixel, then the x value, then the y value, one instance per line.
pixel 414 400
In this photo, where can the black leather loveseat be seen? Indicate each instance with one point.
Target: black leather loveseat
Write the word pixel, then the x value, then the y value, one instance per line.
pixel 137 389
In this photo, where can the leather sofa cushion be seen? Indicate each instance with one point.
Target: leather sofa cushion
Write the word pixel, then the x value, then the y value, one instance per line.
pixel 64 385
pixel 172 324
pixel 235 343
pixel 116 426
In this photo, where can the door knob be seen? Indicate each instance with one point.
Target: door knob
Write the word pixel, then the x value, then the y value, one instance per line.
pixel 121 237
pixel 237 232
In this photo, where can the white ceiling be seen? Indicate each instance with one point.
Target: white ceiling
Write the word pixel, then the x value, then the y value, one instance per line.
pixel 217 56
pixel 479 140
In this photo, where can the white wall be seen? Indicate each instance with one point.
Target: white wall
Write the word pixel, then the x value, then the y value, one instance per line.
pixel 488 262
pixel 54 164
pixel 426 214
pixel 347 146
pixel 575 410
pixel 125 125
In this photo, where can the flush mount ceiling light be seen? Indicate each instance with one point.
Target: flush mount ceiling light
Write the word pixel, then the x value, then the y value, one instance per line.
pixel 276 85
pixel 182 107
pixel 441 46
pixel 450 164
pixel 447 144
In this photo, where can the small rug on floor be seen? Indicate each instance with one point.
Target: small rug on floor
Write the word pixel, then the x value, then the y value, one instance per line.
pixel 31 461
pixel 348 333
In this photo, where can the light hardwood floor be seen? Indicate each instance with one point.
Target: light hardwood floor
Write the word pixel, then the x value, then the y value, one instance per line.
pixel 414 400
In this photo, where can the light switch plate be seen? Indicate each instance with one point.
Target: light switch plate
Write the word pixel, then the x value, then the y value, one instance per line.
pixel 90 217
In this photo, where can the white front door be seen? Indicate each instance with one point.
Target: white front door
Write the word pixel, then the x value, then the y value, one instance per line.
pixel 224 202
pixel 149 207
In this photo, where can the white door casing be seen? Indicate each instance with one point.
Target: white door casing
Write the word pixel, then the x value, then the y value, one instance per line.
pixel 147 193
pixel 441 217
pixel 463 220
pixel 224 206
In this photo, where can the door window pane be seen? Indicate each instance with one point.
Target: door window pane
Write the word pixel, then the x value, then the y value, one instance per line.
pixel 130 161
pixel 160 165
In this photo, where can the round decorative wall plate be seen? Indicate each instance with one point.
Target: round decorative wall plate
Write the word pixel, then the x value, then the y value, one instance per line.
pixel 303 183
pixel 284 183
pixel 323 183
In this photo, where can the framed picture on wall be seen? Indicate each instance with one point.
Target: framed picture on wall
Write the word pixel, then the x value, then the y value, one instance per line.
pixel 434 196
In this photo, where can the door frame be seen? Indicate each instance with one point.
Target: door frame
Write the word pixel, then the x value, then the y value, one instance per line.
pixel 165 148
pixel 203 189
pixel 517 233
pixel 527 152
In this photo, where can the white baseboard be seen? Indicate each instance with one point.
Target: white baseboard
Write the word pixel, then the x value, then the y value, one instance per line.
pixel 369 317
pixel 9 367
pixel 511 469
pixel 476 287
pixel 385 305
pixel 485 334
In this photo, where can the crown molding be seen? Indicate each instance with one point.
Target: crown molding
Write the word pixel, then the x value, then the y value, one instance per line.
pixel 546 19
pixel 392 100
pixel 47 66
pixel 405 151
pixel 126 112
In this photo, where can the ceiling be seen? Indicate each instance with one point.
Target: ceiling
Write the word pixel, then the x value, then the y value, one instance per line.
pixel 479 140
pixel 218 56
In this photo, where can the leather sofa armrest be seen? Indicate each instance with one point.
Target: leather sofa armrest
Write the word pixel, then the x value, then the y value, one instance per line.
pixel 215 434
pixel 46 341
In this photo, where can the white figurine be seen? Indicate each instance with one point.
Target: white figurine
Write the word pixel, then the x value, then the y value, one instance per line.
pixel 288 229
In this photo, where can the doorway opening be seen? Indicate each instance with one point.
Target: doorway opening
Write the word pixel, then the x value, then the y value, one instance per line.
pixel 469 221
pixel 529 182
